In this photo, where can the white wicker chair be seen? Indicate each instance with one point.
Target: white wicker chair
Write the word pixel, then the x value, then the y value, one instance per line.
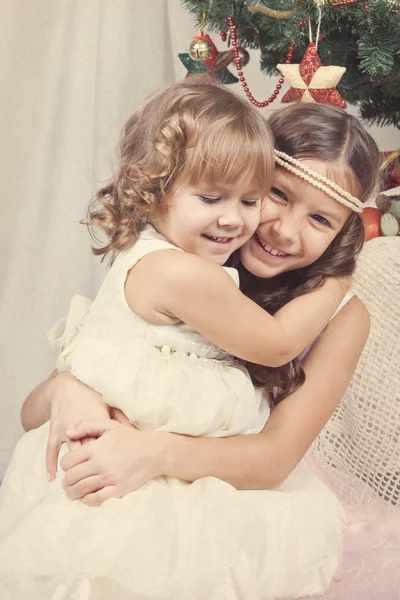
pixel 363 436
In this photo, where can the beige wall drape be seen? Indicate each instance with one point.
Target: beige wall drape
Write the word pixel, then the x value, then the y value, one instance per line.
pixel 71 73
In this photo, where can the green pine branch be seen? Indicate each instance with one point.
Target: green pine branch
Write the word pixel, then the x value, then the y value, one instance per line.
pixel 366 42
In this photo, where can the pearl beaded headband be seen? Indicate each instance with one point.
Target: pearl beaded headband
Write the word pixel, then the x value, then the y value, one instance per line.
pixel 320 181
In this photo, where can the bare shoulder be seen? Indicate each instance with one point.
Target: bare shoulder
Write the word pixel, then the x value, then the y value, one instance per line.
pixel 344 338
pixel 341 284
pixel 353 318
pixel 359 310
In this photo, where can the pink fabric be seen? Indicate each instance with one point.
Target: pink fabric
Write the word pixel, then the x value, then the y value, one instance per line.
pixel 370 567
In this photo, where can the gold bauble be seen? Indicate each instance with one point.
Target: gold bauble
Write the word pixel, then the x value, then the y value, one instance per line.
pixel 243 55
pixel 200 49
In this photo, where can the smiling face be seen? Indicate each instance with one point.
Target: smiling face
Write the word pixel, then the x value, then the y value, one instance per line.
pixel 211 220
pixel 298 222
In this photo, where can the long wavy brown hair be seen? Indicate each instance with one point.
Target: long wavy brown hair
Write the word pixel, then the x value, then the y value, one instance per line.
pixel 320 132
pixel 188 132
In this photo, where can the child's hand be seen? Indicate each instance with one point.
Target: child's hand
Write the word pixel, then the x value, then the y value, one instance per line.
pixel 71 401
pixel 120 461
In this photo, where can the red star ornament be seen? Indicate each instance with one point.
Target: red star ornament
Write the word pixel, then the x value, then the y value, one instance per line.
pixel 311 82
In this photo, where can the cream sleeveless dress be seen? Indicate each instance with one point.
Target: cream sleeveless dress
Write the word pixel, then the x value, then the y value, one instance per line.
pixel 169 539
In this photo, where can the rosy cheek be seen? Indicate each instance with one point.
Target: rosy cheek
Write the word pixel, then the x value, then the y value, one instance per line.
pixel 270 211
pixel 316 247
pixel 266 216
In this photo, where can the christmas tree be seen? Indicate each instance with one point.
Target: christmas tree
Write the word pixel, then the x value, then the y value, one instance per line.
pixel 361 35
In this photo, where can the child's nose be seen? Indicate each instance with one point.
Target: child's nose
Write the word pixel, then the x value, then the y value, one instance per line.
pixel 231 218
pixel 286 228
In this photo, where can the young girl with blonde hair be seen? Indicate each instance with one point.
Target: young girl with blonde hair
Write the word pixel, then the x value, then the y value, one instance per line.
pixel 139 347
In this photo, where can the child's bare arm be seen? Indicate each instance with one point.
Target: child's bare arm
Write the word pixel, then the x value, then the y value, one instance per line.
pixel 170 285
pixel 313 310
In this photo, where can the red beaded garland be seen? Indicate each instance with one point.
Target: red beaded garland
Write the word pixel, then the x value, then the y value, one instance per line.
pixel 240 72
pixel 346 2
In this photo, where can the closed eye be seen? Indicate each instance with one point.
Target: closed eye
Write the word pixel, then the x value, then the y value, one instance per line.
pixel 321 220
pixel 210 199
pixel 278 193
pixel 250 202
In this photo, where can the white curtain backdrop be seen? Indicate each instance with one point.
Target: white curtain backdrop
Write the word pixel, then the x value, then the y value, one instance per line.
pixel 71 73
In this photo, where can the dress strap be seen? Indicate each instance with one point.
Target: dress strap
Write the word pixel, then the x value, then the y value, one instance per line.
pixel 343 303
pixel 148 241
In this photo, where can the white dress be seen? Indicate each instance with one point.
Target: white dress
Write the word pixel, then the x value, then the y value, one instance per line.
pixel 169 539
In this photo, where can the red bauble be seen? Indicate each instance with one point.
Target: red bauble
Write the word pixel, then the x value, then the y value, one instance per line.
pixel 372 222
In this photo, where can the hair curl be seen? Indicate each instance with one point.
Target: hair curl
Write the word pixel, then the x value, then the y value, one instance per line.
pixel 320 132
pixel 188 132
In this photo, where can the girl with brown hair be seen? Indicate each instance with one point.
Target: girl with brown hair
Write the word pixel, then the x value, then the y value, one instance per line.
pixel 208 540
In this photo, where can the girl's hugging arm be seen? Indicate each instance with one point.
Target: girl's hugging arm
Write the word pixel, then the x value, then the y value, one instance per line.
pixel 167 286
pixel 264 460
pixel 36 408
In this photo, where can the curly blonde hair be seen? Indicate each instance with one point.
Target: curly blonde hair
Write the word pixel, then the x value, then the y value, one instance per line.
pixel 188 132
